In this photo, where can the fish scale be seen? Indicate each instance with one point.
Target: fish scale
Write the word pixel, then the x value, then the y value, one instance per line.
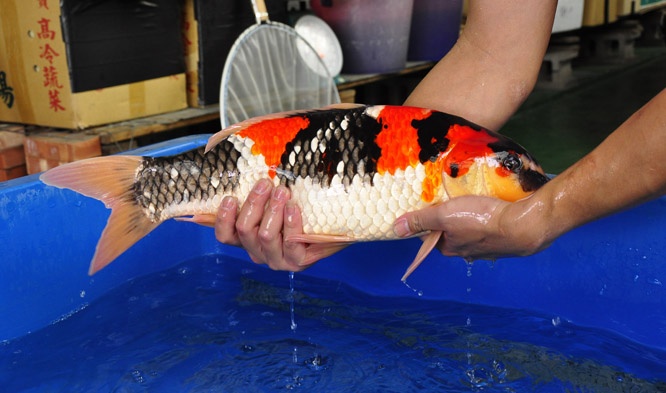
pixel 320 150
pixel 352 170
pixel 166 182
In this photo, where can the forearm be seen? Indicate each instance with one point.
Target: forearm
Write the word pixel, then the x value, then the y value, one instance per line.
pixel 628 168
pixel 494 65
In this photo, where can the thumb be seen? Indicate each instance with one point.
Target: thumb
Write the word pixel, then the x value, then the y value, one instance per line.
pixel 415 222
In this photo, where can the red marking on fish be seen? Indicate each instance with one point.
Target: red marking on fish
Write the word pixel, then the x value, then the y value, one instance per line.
pixel 271 136
pixel 398 139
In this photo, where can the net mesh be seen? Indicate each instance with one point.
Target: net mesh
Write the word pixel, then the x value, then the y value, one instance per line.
pixel 272 69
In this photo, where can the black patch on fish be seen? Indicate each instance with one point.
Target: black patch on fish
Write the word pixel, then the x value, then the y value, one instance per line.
pixel 531 180
pixel 453 169
pixel 505 144
pixel 353 146
pixel 432 133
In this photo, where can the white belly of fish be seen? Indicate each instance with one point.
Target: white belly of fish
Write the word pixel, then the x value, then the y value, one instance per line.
pixel 361 211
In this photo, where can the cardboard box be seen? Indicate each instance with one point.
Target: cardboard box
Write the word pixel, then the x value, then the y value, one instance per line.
pixel 598 13
pixel 67 64
pixel 210 28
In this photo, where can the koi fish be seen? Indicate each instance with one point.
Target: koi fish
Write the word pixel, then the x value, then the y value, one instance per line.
pixel 352 169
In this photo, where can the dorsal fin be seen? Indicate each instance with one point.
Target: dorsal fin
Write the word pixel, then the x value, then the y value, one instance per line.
pixel 238 127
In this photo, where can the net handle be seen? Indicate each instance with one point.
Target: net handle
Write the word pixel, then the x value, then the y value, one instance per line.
pixel 260 11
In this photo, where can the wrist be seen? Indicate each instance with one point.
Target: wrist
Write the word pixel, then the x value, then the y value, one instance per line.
pixel 527 223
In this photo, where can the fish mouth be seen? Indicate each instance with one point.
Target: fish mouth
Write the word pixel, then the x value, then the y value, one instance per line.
pixel 531 180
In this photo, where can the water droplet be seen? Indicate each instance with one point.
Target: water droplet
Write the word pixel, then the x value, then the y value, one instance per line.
pixel 293 325
pixel 556 321
pixel 82 294
pixel 232 319
pixel 138 376
pixel 500 370
pixel 416 291
pixel 316 363
pixel 469 269
pixel 184 270
pixel 468 323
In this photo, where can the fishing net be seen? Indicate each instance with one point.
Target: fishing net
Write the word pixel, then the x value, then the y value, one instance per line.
pixel 270 68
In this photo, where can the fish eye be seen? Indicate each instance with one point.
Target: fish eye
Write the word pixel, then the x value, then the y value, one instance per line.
pixel 512 162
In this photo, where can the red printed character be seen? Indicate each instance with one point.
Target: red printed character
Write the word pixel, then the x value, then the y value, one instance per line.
pixel 54 101
pixel 51 77
pixel 45 33
pixel 48 53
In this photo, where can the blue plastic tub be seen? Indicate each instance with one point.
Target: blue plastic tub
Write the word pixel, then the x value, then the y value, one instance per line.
pixel 610 274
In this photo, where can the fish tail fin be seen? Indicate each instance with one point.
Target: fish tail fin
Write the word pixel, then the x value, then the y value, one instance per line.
pixel 109 180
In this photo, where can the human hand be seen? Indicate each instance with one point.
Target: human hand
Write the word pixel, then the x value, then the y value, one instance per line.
pixel 476 227
pixel 266 218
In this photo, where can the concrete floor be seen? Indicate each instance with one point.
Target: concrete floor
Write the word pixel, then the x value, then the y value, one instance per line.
pixel 561 126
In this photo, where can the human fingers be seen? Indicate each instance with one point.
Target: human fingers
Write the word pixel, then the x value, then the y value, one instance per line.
pixel 419 221
pixel 225 224
pixel 270 230
pixel 294 252
pixel 249 218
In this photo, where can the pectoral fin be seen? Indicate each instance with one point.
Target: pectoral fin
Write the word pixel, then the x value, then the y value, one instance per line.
pixel 207 220
pixel 429 242
pixel 321 246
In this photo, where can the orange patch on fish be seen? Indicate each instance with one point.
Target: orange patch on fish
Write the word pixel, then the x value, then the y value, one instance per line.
pixel 433 179
pixel 398 140
pixel 271 137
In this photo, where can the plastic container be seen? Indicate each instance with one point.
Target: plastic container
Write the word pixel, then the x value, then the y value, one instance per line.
pixel 608 274
pixel 568 16
pixel 435 28
pixel 373 34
